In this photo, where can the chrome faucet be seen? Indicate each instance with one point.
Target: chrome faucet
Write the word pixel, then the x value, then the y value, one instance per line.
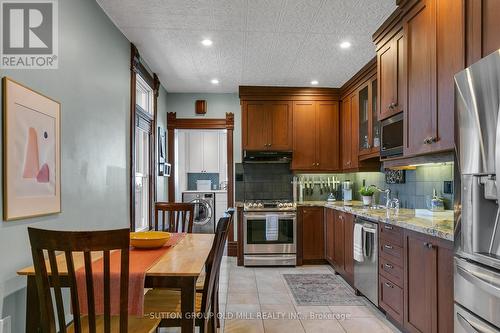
pixel 389 203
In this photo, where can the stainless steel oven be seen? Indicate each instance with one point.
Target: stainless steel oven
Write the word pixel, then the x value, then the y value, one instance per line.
pixel 261 250
pixel 392 136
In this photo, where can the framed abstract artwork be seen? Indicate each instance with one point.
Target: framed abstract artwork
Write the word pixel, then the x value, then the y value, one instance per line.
pixel 31 153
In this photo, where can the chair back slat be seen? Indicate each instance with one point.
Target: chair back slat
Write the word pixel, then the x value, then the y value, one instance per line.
pixel 89 284
pixel 75 305
pixel 70 242
pixel 107 292
pixel 56 282
pixel 214 260
pixel 176 216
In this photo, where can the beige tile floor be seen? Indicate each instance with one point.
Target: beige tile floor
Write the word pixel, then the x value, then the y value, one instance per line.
pixel 258 300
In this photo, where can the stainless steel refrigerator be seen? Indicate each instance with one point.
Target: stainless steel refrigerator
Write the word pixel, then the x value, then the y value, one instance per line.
pixel 477 229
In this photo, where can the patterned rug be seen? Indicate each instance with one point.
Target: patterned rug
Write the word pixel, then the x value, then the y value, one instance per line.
pixel 320 289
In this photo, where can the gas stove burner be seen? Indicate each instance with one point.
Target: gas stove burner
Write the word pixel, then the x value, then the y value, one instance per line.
pixel 269 205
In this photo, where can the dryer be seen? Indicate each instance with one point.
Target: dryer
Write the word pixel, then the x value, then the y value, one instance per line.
pixel 204 210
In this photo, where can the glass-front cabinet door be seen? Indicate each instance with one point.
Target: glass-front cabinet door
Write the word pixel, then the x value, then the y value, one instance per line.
pixel 369 127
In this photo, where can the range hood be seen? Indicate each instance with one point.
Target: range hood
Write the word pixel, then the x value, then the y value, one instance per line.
pixel 267 156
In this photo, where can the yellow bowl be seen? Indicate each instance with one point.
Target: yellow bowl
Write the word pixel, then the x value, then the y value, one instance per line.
pixel 149 239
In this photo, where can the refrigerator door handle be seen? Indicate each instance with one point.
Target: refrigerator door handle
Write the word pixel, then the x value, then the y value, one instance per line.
pixel 489 286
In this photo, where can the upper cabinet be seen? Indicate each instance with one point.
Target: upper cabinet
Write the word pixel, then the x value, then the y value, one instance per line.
pixel 349 132
pixel 267 125
pixel 203 152
pixel 391 88
pixel 421 108
pixel 419 49
pixel 316 127
pixel 360 130
pixel 482 29
pixel 302 120
pixel 369 126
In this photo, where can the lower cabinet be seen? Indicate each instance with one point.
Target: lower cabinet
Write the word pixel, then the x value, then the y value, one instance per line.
pixel 416 280
pixel 311 223
pixel 428 291
pixel 330 235
pixel 339 228
pixel 349 248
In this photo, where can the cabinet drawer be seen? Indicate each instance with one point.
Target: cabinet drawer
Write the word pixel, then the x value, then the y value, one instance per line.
pixel 391 271
pixel 391 251
pixel 391 233
pixel 391 299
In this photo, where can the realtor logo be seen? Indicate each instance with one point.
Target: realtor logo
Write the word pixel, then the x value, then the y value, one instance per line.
pixel 29 35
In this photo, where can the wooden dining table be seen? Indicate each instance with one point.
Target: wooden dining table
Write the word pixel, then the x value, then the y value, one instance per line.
pixel 178 268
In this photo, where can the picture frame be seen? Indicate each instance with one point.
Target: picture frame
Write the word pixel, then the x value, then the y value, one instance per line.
pixel 31 152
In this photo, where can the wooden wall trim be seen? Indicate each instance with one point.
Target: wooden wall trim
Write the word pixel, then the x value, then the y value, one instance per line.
pixel 136 67
pixel 394 23
pixel 262 93
pixel 367 72
pixel 227 123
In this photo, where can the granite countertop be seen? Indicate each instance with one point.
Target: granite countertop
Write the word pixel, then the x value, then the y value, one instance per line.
pixel 420 220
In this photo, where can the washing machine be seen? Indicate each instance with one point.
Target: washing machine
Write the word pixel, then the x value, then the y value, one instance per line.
pixel 204 211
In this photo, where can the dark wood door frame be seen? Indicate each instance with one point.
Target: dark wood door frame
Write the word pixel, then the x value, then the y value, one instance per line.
pixel 137 68
pixel 174 123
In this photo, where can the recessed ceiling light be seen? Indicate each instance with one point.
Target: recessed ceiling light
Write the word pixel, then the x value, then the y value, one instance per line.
pixel 214 81
pixel 207 42
pixel 314 82
pixel 345 45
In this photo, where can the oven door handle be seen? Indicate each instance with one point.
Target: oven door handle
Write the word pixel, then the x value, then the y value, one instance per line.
pixel 263 216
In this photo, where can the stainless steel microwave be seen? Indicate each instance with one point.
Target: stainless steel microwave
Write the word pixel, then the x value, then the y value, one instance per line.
pixel 392 136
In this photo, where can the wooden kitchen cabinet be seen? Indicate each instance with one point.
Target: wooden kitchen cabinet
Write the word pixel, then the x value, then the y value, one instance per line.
pixel 434 53
pixel 369 126
pixel 304 130
pixel 339 245
pixel 419 49
pixel 313 242
pixel 482 30
pixel 349 248
pixel 419 30
pixel 267 125
pixel 330 235
pixel 390 76
pixel 349 132
pixel 316 139
pixel 428 285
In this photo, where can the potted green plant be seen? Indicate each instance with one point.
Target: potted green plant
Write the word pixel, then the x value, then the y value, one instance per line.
pixel 367 194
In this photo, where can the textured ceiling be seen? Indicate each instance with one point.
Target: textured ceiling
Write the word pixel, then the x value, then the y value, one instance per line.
pixel 256 42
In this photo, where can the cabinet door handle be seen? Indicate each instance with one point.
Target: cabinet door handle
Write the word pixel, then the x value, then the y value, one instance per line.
pixel 428 245
pixel 388 227
pixel 388 266
pixel 390 247
pixel 387 284
pixel 317 164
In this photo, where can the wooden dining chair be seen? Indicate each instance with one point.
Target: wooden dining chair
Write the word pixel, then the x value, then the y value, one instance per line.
pixel 166 303
pixel 63 275
pixel 175 216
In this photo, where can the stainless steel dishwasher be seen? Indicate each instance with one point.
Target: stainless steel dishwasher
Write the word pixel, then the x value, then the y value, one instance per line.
pixel 366 269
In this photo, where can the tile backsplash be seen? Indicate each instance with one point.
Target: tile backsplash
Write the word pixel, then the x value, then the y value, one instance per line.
pixel 193 177
pixel 263 181
pixel 414 193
